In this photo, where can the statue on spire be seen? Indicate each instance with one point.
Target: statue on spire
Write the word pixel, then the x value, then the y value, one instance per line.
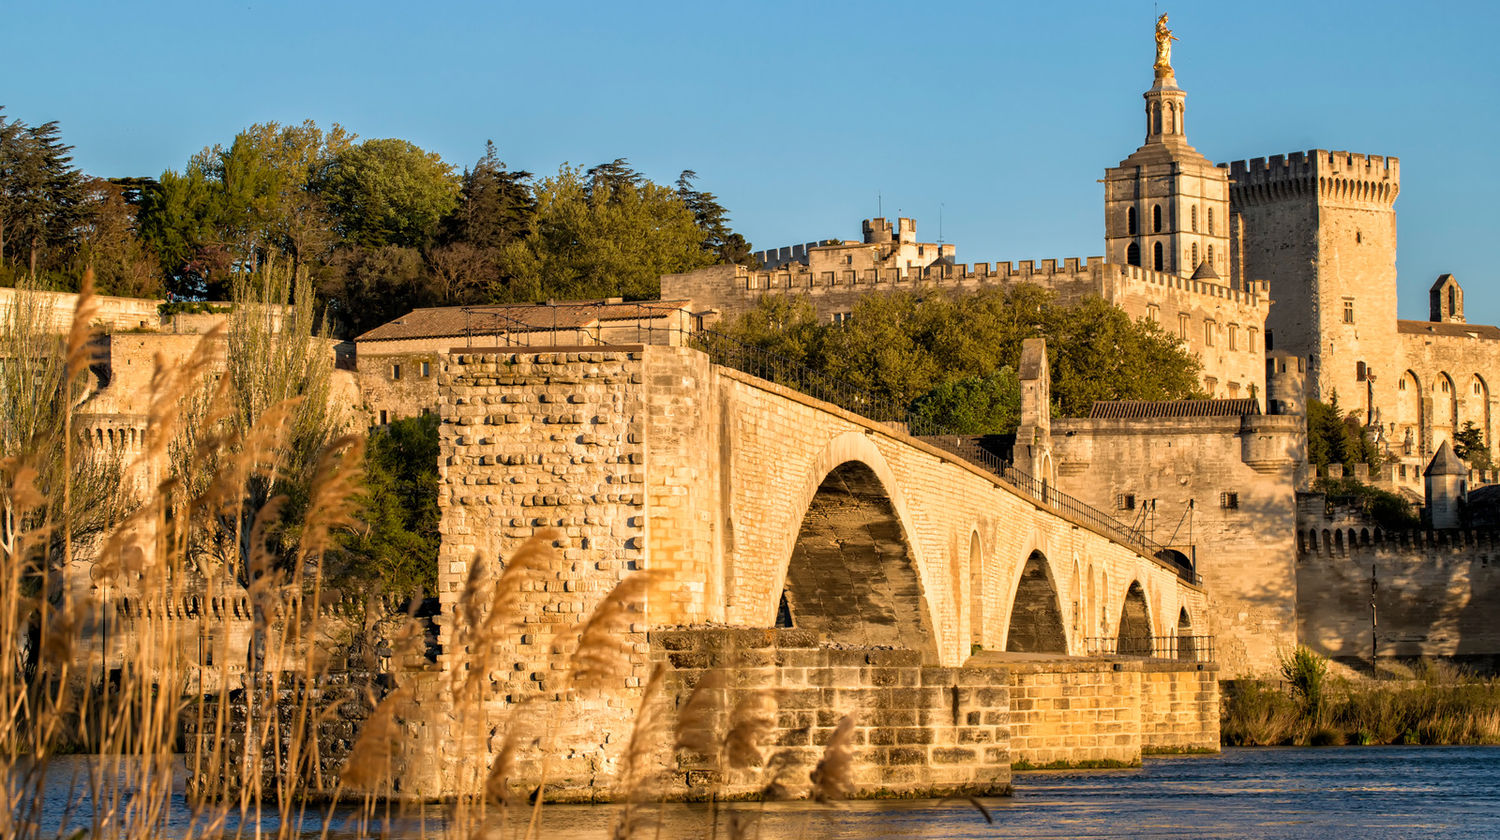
pixel 1164 39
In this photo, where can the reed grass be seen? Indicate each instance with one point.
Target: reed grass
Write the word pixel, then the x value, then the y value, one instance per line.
pixel 1443 706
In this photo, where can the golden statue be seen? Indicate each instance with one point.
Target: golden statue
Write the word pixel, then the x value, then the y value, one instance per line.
pixel 1164 39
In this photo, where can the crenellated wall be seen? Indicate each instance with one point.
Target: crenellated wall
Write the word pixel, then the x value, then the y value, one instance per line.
pixel 1436 593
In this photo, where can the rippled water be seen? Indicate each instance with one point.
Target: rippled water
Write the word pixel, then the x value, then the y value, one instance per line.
pixel 1353 792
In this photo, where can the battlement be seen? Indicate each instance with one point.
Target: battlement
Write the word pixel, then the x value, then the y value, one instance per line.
pixel 1339 541
pixel 1336 176
pixel 798 278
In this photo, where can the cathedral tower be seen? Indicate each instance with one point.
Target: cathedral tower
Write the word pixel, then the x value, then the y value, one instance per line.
pixel 1166 207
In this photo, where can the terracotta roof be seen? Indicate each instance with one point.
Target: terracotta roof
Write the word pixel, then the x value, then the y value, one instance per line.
pixel 1141 410
pixel 453 321
pixel 1444 328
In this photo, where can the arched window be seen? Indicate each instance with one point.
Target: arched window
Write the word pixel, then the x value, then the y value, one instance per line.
pixel 1210 228
pixel 1210 251
pixel 1130 221
pixel 1133 254
pixel 1195 252
pixel 1193 217
pixel 1156 261
pixel 1156 218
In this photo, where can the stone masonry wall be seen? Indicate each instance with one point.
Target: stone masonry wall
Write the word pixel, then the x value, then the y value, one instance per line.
pixel 918 731
pixel 1174 479
pixel 1098 710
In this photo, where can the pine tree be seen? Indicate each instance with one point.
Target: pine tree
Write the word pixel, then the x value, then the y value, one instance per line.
pixel 726 245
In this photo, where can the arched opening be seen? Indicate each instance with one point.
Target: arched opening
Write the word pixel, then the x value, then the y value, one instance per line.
pixel 1195 256
pixel 1187 648
pixel 1193 217
pixel 1409 413
pixel 976 593
pixel 1130 221
pixel 1444 409
pixel 1036 624
pixel 1156 218
pixel 1133 254
pixel 851 578
pixel 1134 635
pixel 1156 260
pixel 1476 407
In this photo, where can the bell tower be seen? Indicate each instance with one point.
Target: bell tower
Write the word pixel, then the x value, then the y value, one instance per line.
pixel 1166 207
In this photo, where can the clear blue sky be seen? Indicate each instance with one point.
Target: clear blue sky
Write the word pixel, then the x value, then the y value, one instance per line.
pixel 1003 116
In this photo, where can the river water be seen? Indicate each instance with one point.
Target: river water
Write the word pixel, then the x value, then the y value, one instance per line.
pixel 1326 793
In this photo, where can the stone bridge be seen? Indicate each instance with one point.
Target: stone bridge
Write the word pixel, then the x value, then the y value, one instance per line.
pixel 757 506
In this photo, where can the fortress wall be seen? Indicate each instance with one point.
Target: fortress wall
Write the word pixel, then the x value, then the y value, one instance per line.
pixel 1186 465
pixel 1179 707
pixel 1437 593
pixel 115 314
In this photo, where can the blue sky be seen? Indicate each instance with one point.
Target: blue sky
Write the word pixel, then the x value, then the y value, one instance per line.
pixel 999 117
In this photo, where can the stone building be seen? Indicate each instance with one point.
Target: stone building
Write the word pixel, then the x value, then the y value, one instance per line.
pixel 397 363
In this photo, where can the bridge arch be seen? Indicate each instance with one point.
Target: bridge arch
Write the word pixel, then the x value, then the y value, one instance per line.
pixel 976 591
pixel 850 571
pixel 1036 619
pixel 1135 636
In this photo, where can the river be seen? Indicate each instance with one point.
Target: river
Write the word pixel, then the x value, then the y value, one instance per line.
pixel 1326 793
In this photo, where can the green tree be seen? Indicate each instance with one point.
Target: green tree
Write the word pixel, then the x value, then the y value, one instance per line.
pixel 366 287
pixel 1469 445
pixel 495 205
pixel 711 217
pixel 397 550
pixel 974 405
pixel 602 233
pixel 1336 438
pixel 108 244
pixel 40 191
pixel 389 192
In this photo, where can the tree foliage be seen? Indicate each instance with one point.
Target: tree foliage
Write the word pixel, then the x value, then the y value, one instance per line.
pixel 1334 437
pixel 397 549
pixel 914 348
pixel 1469 445
pixel 389 192
pixel 600 233
pixel 40 194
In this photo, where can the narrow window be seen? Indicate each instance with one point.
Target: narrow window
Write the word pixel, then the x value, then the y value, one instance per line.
pixel 1133 254
pixel 1250 339
pixel 1401 386
pixel 383 419
pixel 1130 221
pixel 1210 255
pixel 1195 255
pixel 1234 337
pixel 1444 384
pixel 395 371
pixel 1153 314
pixel 1208 333
pixel 426 369
pixel 1125 501
pixel 1193 217
pixel 1156 261
pixel 1348 311
pixel 1156 218
pixel 1182 326
pixel 1229 501
pixel 1210 233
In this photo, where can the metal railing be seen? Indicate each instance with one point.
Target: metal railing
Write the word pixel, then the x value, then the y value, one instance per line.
pixel 1176 648
pixel 641 321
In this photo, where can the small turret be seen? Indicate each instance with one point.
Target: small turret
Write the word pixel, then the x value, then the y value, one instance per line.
pixel 1447 487
pixel 877 231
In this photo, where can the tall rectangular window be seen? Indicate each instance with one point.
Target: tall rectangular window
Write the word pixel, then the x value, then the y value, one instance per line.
pixel 1208 333
pixel 1348 311
pixel 1182 326
pixel 1234 337
pixel 395 371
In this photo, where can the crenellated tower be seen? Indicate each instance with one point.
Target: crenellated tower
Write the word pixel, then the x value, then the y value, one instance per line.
pixel 1320 227
pixel 1166 207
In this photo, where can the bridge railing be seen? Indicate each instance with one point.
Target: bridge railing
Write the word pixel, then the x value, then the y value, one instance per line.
pixel 1176 648
pixel 653 322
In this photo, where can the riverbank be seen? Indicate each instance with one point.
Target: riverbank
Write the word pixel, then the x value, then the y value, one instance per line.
pixel 1439 706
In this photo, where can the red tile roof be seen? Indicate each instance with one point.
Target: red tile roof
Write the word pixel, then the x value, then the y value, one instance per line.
pixel 1140 410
